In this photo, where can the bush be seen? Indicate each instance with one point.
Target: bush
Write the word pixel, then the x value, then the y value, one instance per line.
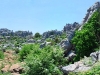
pixel 1 55
pixel 37 35
pixel 87 39
pixel 25 51
pixel 63 35
pixel 44 61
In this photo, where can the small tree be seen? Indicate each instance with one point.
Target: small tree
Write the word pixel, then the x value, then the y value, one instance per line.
pixel 44 61
pixel 37 35
pixel 86 40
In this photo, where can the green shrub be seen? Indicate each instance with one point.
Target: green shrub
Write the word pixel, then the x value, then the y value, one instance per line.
pixel 1 55
pixel 44 61
pixel 7 73
pixel 63 35
pixel 48 39
pixel 25 51
pixel 87 39
pixel 37 35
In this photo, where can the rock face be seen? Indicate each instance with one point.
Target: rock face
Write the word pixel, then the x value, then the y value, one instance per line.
pixel 82 65
pixel 7 32
pixel 70 31
pixel 89 13
pixel 52 32
pixel 95 56
pixel 70 27
pixel 76 67
pixel 31 41
pixel 42 45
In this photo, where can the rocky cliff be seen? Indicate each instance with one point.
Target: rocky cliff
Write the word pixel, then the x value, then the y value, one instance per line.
pixel 89 13
pixel 7 32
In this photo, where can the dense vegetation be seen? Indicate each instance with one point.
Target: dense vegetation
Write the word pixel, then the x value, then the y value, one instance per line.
pixel 88 38
pixel 44 61
pixel 49 59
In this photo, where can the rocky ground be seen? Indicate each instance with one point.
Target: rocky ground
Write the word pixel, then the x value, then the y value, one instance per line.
pixel 10 63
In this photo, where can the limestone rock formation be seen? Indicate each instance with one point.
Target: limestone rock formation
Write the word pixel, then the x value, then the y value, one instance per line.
pixel 89 13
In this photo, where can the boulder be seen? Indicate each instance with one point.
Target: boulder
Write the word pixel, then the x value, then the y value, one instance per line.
pixel 71 56
pixel 82 68
pixel 5 69
pixel 42 45
pixel 76 67
pixel 69 68
pixel 94 57
pixel 31 41
pixel 48 43
pixel 52 36
pixel 39 41
pixel 98 53
pixel 16 68
pixel 66 45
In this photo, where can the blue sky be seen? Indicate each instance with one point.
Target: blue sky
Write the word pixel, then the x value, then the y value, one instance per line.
pixel 41 15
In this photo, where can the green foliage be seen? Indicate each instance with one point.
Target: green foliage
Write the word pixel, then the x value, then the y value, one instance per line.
pixel 25 51
pixel 48 39
pixel 87 39
pixel 44 61
pixel 63 35
pixel 37 35
pixel 7 73
pixel 53 41
pixel 57 40
pixel 1 55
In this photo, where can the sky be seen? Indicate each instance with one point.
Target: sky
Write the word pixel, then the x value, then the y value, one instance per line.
pixel 41 15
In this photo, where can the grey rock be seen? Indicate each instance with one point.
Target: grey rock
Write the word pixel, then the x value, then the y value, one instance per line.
pixel 51 33
pixel 7 32
pixel 98 53
pixel 52 36
pixel 69 68
pixel 66 45
pixel 94 57
pixel 71 55
pixel 82 68
pixel 31 41
pixel 89 13
pixel 42 45
pixel 39 41
pixel 76 67
pixel 48 43
pixel 68 27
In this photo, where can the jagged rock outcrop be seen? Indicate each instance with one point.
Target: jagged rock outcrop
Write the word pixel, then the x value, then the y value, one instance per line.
pixel 95 56
pixel 83 65
pixel 89 13
pixel 69 27
pixel 70 31
pixel 7 32
pixel 52 32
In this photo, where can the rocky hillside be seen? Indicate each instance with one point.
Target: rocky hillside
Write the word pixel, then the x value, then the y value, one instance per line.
pixel 74 50
pixel 87 43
